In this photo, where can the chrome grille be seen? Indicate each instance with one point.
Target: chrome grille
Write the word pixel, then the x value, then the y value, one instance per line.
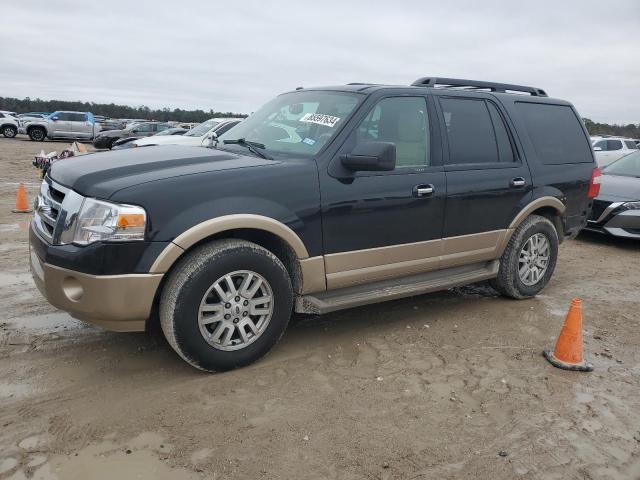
pixel 56 208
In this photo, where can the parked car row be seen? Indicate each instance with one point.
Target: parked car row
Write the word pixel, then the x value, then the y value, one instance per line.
pixel 197 136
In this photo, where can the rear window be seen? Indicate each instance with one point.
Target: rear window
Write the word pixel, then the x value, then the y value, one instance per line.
pixel 556 133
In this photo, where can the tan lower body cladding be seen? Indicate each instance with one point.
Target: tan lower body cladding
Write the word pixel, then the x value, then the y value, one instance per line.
pixel 362 266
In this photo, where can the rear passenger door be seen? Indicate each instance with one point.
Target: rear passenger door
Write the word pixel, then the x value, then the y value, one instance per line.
pixel 487 180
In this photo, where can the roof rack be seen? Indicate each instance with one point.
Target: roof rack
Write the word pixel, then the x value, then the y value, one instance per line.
pixel 477 85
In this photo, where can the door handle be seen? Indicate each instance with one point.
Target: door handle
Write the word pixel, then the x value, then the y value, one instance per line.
pixel 423 190
pixel 518 182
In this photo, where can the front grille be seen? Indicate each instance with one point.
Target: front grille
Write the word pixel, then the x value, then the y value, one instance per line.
pixel 48 208
pixel 599 206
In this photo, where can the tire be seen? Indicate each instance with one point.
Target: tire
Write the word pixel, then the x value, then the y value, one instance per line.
pixel 9 131
pixel 191 285
pixel 37 134
pixel 110 143
pixel 509 281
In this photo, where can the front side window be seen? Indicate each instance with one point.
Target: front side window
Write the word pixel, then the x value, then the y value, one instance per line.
pixel 202 129
pixel 78 117
pixel 144 127
pixel 403 121
pixel 63 116
pixel 298 123
pixel 602 145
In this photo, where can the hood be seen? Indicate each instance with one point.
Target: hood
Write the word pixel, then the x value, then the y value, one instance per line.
pixel 169 140
pixel 102 174
pixel 617 188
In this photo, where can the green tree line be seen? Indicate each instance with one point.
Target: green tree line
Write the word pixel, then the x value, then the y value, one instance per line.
pixel 631 130
pixel 111 110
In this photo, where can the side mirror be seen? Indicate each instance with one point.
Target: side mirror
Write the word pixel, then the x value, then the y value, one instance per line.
pixel 55 119
pixel 371 157
pixel 597 149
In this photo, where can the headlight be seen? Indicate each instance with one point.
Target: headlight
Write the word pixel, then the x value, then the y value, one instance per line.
pixel 111 222
pixel 631 205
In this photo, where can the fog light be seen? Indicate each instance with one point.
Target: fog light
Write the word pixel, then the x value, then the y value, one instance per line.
pixel 72 289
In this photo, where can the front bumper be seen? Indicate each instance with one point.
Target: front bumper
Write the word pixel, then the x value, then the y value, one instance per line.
pixel 625 223
pixel 120 303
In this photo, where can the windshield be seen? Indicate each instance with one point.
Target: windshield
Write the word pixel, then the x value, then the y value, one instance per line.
pixel 201 129
pixel 628 166
pixel 298 122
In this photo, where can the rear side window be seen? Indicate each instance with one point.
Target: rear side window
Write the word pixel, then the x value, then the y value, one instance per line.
pixel 614 145
pixel 476 132
pixel 556 133
pixel 631 144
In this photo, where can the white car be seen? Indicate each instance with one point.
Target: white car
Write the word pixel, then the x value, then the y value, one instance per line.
pixel 197 136
pixel 9 124
pixel 610 149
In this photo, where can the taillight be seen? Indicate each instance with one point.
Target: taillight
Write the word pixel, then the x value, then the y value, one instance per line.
pixel 594 183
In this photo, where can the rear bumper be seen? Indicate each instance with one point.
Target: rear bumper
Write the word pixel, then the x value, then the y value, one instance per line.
pixel 115 302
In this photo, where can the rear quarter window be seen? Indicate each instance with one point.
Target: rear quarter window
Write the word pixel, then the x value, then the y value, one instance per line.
pixel 556 133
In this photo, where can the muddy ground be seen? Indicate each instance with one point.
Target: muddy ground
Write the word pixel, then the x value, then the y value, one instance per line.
pixel 449 385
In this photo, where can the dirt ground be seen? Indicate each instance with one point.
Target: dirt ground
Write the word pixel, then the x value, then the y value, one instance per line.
pixel 448 385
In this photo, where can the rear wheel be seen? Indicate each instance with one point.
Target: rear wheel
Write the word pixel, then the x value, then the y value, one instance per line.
pixel 226 304
pixel 529 260
pixel 9 131
pixel 37 134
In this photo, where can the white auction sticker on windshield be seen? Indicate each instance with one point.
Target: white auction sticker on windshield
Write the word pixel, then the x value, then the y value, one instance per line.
pixel 320 119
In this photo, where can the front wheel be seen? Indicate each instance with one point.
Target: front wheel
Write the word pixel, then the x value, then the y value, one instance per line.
pixel 9 131
pixel 226 304
pixel 37 134
pixel 529 260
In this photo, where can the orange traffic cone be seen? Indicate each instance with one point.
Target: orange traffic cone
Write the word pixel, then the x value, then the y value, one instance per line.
pixel 568 351
pixel 22 204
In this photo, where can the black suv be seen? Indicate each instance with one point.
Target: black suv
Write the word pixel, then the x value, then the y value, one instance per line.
pixel 324 199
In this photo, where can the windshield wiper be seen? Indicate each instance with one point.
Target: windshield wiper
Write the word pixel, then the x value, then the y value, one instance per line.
pixel 253 147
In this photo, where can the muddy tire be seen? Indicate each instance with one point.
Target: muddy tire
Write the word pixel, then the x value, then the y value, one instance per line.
pixel 226 304
pixel 529 259
pixel 9 131
pixel 37 134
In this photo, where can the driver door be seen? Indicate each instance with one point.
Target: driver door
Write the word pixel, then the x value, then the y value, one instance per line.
pixel 61 128
pixel 379 225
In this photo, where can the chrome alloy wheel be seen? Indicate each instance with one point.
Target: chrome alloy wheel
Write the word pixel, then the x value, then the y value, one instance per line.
pixel 534 259
pixel 235 310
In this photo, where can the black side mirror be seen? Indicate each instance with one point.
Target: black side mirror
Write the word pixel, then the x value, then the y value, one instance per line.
pixel 371 157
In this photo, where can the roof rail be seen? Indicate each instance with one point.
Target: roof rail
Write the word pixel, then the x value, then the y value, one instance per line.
pixel 477 85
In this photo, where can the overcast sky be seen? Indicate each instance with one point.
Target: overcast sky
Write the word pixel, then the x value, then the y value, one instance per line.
pixel 235 55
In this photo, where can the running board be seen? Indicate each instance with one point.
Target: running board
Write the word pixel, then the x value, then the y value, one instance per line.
pixel 381 291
